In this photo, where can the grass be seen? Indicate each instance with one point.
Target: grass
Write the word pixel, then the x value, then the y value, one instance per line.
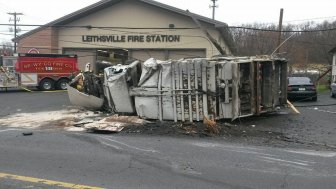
pixel 322 88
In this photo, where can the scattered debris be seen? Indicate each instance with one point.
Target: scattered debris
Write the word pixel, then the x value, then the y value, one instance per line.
pixel 189 130
pixel 59 119
pixel 293 107
pixel 83 122
pixel 102 125
pixel 113 123
pixel 75 129
pixel 212 125
pixel 27 133
pixel 229 124
pixel 78 120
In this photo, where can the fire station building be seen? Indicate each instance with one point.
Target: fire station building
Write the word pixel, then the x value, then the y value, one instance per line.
pixel 119 30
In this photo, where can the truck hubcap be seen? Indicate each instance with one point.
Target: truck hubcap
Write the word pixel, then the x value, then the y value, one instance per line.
pixel 63 86
pixel 46 85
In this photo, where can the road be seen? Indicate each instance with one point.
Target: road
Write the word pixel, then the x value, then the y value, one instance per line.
pixel 54 158
pixel 16 100
pixel 313 128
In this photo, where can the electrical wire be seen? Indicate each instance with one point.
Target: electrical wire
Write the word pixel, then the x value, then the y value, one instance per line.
pixel 167 28
pixel 310 19
pixel 283 31
pixel 258 37
pixel 5 34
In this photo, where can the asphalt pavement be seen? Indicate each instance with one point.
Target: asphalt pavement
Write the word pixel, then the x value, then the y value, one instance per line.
pixel 111 161
pixel 18 100
pixel 53 158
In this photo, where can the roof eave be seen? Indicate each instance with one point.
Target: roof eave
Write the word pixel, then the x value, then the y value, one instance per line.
pixel 227 37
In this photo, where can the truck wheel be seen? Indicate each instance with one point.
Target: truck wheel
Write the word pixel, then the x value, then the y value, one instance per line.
pixel 46 85
pixel 62 84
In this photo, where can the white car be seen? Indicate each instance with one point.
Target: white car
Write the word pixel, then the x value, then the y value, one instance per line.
pixel 333 90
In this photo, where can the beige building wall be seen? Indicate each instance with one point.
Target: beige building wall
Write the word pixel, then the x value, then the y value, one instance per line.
pixel 83 56
pixel 135 14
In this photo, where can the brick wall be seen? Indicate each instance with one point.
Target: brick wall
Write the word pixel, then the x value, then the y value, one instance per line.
pixel 45 41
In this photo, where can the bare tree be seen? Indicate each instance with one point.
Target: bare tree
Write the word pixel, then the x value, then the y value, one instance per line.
pixel 304 47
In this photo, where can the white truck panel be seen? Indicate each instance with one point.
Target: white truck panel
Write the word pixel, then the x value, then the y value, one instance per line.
pixel 29 79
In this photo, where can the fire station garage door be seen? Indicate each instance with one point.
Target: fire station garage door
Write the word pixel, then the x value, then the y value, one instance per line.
pixel 188 53
pixel 164 54
pixel 145 54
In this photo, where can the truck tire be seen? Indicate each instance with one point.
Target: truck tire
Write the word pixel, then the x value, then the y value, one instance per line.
pixel 62 84
pixel 46 85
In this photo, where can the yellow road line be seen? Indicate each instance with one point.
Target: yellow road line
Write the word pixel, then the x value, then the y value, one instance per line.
pixel 25 89
pixel 55 91
pixel 46 182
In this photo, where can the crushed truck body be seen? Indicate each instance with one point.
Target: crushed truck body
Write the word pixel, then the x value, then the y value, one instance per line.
pixel 197 89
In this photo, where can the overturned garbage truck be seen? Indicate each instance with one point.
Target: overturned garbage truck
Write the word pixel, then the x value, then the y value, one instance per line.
pixel 192 89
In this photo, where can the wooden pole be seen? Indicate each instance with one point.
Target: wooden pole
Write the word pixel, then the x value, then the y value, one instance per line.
pixel 280 29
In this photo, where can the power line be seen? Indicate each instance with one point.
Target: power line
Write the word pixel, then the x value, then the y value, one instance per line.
pixel 284 31
pixel 99 27
pixel 167 28
pixel 5 34
pixel 257 37
pixel 310 19
pixel 299 20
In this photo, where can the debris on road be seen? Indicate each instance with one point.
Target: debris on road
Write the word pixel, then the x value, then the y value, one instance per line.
pixel 293 107
pixel 211 125
pixel 27 133
pixel 113 123
pixel 83 121
pixel 72 120
pixel 58 119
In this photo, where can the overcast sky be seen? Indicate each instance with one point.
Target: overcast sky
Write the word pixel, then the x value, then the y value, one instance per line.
pixel 233 12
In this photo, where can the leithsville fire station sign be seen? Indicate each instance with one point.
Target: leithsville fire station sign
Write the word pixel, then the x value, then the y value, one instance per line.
pixel 131 38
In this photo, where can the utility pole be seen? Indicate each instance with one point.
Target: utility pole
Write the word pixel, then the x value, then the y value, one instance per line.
pixel 16 19
pixel 213 6
pixel 280 29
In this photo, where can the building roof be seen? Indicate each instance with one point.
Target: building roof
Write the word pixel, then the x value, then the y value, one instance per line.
pixel 221 26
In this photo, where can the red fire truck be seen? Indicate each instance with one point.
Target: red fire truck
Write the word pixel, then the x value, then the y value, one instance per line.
pixel 45 71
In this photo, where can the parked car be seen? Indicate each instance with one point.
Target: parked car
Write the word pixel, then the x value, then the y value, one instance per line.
pixel 301 87
pixel 333 90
